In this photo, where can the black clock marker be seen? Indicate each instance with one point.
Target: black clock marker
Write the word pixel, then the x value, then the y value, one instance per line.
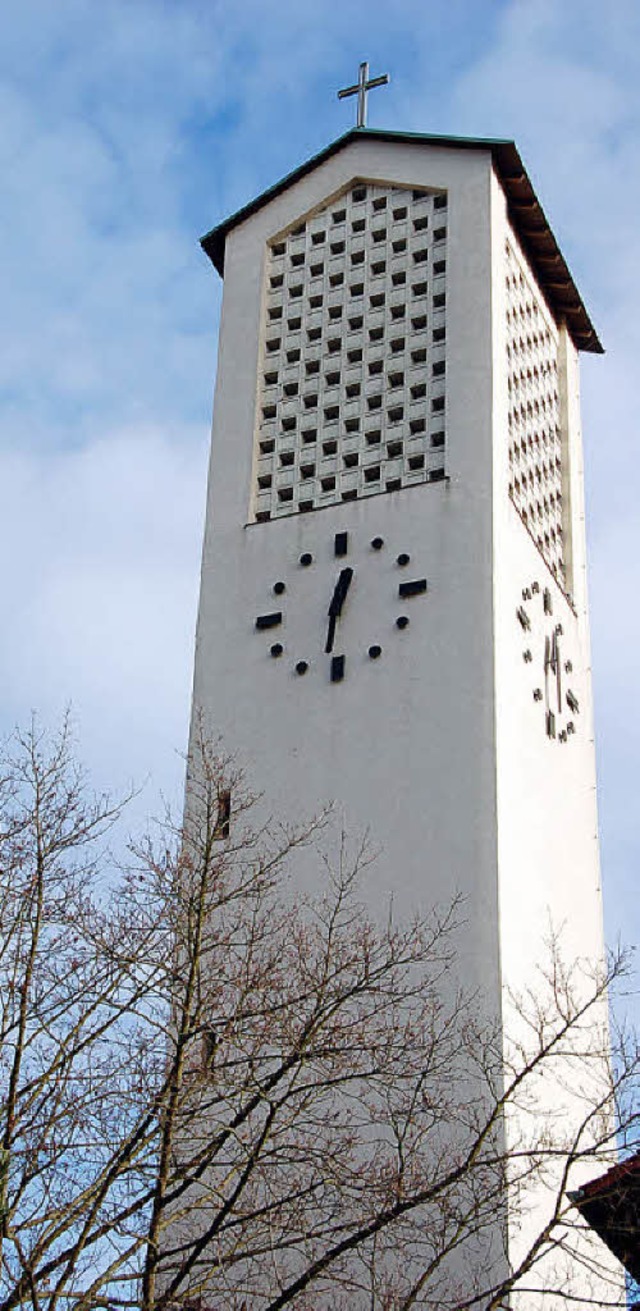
pixel 375 652
pixel 276 650
pixel 269 621
pixel 402 621
pixel 306 558
pixel 403 559
pixel 341 543
pixel 337 668
pixel 301 667
pixel 414 588
pixel 279 588
pixel 377 543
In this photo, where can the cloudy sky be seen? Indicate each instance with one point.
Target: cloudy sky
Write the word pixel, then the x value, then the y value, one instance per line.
pixel 129 128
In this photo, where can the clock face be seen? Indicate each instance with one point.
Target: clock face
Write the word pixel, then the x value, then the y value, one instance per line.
pixel 550 661
pixel 402 587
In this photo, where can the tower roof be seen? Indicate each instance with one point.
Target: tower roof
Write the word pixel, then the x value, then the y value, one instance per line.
pixel 525 213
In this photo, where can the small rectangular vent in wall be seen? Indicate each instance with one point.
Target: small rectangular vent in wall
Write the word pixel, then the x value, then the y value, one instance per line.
pixel 223 821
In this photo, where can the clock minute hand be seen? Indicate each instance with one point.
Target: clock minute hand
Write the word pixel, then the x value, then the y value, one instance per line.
pixel 558 673
pixel 340 591
pixel 337 601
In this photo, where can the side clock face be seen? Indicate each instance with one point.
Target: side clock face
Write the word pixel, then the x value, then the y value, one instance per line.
pixel 550 662
pixel 339 597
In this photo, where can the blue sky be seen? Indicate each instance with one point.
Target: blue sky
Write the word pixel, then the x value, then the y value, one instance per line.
pixel 127 130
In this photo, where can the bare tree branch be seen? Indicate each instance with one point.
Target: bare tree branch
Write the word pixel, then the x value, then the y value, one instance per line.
pixel 216 1093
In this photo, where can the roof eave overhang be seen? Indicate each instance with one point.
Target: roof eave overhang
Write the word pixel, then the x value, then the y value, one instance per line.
pixel 525 213
pixel 611 1205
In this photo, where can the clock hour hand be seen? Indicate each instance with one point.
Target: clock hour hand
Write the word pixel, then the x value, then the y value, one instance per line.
pixel 337 601
pixel 331 632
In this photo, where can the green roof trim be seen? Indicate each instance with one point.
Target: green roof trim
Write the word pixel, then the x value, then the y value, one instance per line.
pixel 525 213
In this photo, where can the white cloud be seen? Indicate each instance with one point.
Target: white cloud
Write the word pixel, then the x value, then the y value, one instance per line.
pixel 101 594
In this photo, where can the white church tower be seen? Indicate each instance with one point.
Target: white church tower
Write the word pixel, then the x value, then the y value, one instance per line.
pixel 393 612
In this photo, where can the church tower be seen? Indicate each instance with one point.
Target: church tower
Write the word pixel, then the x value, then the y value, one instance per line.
pixel 393 613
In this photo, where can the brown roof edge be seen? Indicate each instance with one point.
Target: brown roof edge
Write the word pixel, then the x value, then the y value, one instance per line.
pixel 611 1206
pixel 613 1178
pixel 525 213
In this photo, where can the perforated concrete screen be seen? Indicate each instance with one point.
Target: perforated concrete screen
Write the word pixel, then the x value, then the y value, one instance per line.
pixel 535 439
pixel 351 393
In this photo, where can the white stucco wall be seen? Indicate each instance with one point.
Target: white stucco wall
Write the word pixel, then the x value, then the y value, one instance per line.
pixel 404 744
pixel 546 814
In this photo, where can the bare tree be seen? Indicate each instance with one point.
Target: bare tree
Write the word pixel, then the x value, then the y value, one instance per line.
pixel 218 1094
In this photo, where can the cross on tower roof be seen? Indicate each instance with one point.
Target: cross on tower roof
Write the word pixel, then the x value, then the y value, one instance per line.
pixel 362 86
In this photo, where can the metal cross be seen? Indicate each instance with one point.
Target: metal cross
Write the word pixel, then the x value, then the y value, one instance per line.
pixel 360 89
